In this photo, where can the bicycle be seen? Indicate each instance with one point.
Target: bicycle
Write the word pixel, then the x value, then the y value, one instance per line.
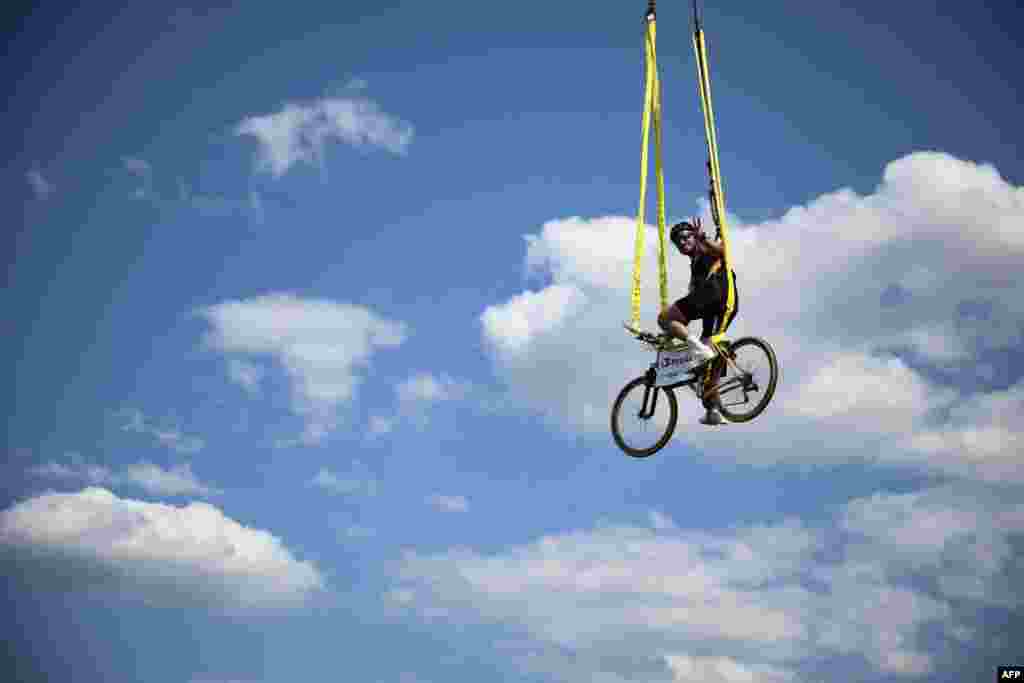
pixel 711 382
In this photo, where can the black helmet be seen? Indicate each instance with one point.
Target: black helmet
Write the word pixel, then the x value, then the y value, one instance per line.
pixel 679 231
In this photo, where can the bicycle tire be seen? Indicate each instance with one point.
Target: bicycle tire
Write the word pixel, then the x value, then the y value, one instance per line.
pixel 766 396
pixel 669 430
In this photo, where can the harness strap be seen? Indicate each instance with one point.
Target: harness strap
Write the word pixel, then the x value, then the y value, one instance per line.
pixel 652 110
pixel 717 194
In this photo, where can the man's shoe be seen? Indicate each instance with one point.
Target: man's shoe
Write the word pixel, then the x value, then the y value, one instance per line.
pixel 667 342
pixel 713 418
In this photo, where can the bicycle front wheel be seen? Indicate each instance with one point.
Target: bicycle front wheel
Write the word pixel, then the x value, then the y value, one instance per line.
pixel 643 418
pixel 748 382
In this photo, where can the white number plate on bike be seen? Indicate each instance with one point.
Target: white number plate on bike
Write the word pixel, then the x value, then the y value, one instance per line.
pixel 672 367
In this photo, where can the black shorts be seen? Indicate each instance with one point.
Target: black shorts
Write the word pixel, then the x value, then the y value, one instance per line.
pixel 707 303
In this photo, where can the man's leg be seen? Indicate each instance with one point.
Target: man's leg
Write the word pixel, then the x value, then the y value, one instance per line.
pixel 673 322
pixel 712 417
pixel 709 326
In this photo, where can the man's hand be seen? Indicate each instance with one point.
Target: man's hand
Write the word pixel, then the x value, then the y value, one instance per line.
pixel 698 232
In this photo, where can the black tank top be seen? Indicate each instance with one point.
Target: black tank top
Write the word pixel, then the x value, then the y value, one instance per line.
pixel 700 266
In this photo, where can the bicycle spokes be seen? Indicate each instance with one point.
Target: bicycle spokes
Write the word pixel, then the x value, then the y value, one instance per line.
pixel 643 418
pixel 749 380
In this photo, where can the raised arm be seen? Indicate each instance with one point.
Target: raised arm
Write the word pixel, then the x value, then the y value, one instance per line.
pixel 713 248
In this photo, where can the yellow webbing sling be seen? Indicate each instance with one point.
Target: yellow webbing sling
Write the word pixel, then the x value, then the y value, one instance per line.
pixel 652 109
pixel 717 196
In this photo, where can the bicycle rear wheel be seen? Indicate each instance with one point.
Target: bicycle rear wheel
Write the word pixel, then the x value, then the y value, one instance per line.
pixel 643 418
pixel 746 384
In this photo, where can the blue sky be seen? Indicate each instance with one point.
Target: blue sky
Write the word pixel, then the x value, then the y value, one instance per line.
pixel 314 325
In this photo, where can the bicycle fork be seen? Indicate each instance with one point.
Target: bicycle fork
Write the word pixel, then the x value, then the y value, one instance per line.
pixel 650 395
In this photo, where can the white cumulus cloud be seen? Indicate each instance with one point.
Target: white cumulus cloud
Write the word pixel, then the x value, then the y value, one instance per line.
pixel 416 396
pixel 168 436
pixel 690 669
pixel 300 131
pixel 178 480
pixel 987 429
pixel 750 603
pixel 247 375
pixel 356 482
pixel 322 345
pixel 160 554
pixel 428 388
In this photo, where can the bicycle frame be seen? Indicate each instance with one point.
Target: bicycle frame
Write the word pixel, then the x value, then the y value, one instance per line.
pixel 650 379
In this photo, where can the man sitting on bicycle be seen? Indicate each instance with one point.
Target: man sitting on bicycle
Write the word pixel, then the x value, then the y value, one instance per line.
pixel 706 299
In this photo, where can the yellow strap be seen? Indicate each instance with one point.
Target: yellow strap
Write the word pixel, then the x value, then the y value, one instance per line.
pixel 704 85
pixel 660 171
pixel 652 108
